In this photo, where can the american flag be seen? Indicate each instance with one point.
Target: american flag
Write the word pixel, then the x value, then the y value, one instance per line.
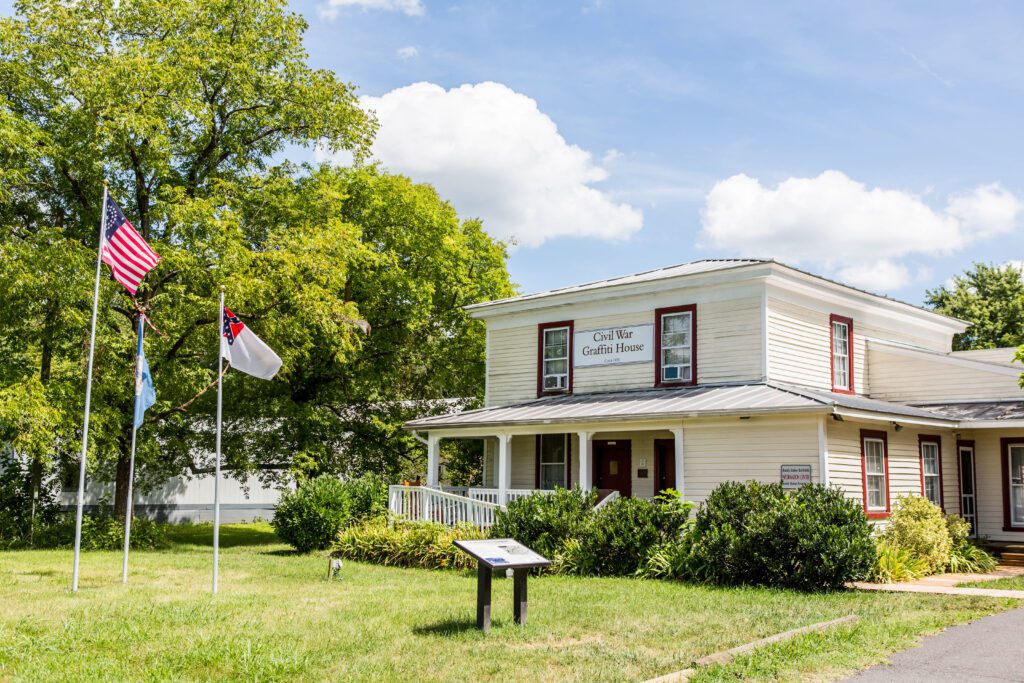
pixel 124 250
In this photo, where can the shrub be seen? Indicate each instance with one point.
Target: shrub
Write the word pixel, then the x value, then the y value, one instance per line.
pixel 894 564
pixel 102 531
pixel 753 533
pixel 544 521
pixel 617 539
pixel 310 517
pixel 672 560
pixel 919 527
pixel 406 544
pixel 16 523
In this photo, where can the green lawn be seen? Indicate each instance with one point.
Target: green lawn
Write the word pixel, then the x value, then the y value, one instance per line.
pixel 1009 583
pixel 276 618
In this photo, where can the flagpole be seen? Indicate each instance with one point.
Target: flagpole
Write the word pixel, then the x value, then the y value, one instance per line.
pixel 131 460
pixel 216 479
pixel 88 393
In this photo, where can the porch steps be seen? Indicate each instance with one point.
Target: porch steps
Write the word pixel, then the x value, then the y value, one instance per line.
pixel 1014 559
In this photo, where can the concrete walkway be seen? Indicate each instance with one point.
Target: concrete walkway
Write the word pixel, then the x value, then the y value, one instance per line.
pixel 986 650
pixel 947 584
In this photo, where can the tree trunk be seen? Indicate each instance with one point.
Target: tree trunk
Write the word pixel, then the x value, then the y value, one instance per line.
pixel 121 487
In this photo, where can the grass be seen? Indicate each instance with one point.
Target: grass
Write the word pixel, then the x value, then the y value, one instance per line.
pixel 277 618
pixel 1015 583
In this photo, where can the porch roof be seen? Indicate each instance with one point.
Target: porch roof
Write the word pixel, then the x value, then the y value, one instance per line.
pixel 700 401
pixel 994 410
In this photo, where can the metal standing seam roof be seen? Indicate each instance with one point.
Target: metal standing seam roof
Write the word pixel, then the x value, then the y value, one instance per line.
pixel 656 403
pixel 980 410
pixel 691 268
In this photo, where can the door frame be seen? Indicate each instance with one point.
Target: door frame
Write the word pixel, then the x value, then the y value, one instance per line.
pixel 967 444
pixel 598 445
pixel 671 443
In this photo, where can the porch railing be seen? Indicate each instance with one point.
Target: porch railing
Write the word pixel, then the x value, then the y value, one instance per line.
pixel 491 495
pixel 607 499
pixel 420 503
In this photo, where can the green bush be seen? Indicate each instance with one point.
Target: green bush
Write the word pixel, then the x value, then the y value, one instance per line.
pixel 16 522
pixel 310 517
pixel 672 560
pixel 544 521
pixel 919 527
pixel 617 539
pixel 752 533
pixel 406 544
pixel 102 531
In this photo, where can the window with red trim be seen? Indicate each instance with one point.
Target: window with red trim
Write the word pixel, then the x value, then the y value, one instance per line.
pixel 874 453
pixel 841 347
pixel 554 358
pixel 552 468
pixel 675 341
pixel 931 468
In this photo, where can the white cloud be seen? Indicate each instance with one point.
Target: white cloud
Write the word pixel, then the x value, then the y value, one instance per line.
pixel 407 52
pixel 496 156
pixel 858 234
pixel 413 8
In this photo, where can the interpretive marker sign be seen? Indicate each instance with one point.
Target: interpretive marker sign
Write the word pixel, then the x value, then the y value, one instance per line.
pixel 500 553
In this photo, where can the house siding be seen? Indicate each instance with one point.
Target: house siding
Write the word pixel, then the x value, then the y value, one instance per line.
pixel 899 377
pixel 728 349
pixel 846 471
pixel 988 454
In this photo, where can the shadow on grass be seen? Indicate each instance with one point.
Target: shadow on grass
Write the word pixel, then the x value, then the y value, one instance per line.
pixel 231 535
pixel 448 627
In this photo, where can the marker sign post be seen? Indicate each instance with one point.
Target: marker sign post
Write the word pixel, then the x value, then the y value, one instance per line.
pixel 500 553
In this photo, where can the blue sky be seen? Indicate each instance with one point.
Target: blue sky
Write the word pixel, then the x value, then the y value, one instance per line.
pixel 875 144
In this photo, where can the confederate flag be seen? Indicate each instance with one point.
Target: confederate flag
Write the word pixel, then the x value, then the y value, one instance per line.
pixel 245 351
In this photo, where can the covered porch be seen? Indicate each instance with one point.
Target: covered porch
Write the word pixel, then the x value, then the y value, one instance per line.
pixel 631 443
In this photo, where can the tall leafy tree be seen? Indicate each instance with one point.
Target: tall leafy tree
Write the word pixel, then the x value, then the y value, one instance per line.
pixel 991 298
pixel 183 106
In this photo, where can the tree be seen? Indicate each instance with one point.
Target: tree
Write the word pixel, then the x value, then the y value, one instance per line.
pixel 418 267
pixel 183 106
pixel 991 298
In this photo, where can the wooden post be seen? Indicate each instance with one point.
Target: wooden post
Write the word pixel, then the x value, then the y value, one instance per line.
pixel 519 595
pixel 483 597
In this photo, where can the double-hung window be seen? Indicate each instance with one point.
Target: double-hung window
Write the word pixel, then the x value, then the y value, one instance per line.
pixel 931 469
pixel 554 366
pixel 676 331
pixel 842 353
pixel 876 473
pixel 552 461
pixel 1014 482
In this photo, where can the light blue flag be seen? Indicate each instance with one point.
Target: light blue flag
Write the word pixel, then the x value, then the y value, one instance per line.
pixel 145 392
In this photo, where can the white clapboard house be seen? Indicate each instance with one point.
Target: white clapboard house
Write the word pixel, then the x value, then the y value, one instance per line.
pixel 719 370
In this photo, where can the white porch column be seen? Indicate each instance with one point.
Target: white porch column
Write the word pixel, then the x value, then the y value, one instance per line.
pixel 585 468
pixel 433 459
pixel 677 435
pixel 504 467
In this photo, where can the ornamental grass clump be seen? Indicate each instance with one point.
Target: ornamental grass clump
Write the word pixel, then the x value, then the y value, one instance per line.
pixel 406 544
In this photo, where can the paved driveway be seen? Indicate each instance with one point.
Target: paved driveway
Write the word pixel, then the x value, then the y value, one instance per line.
pixel 989 649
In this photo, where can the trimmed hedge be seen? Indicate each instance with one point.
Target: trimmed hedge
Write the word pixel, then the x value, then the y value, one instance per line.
pixel 543 521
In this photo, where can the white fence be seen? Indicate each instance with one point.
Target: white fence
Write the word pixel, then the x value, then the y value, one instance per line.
pixel 419 503
pixel 450 505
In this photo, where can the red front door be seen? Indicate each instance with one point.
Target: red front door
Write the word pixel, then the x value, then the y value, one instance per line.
pixel 664 465
pixel 613 466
